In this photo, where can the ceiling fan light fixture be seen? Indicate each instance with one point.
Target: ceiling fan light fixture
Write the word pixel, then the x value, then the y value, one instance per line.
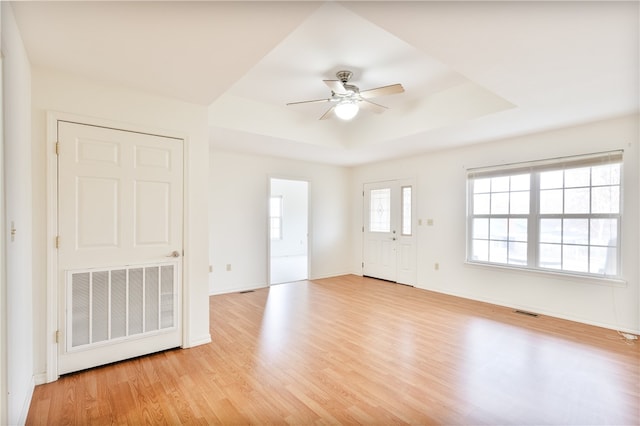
pixel 346 110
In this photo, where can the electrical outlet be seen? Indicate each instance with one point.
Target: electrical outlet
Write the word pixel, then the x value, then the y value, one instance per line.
pixel 436 266
pixel 429 222
pixel 228 266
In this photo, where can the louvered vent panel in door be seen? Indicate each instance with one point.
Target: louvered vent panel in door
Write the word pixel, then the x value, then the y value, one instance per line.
pixel 118 303
pixel 135 301
pixel 167 292
pixel 80 309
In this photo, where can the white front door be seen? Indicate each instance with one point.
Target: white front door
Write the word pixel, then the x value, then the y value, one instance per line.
pixel 120 208
pixel 389 232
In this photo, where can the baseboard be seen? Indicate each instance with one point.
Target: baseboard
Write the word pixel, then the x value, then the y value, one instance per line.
pixel 27 403
pixel 337 274
pixel 539 311
pixel 202 340
pixel 236 289
pixel 40 379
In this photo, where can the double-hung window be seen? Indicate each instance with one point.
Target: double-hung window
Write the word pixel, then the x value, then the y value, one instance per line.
pixel 275 217
pixel 561 215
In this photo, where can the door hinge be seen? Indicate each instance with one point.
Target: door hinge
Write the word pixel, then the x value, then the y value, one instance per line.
pixel 57 336
pixel 58 241
pixel 363 264
pixel 363 229
pixel 57 148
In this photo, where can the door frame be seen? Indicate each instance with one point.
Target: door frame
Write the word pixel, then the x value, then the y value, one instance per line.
pixel 52 305
pixel 267 213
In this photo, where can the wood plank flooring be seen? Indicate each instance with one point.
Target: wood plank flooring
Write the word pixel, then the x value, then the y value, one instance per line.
pixel 356 350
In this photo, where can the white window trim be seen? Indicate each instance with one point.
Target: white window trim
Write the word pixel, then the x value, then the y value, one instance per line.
pixel 560 163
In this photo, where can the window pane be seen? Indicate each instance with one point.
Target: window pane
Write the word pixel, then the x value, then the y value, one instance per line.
pixel 481 228
pixel 603 261
pixel 500 203
pixel 481 204
pixel 480 250
pixel 500 184
pixel 275 206
pixel 275 213
pixel 551 201
pixel 576 200
pixel 604 232
pixel 577 177
pixel 406 210
pixel 608 174
pixel 380 210
pixel 574 258
pixel 498 251
pixel 606 199
pixel 550 256
pixel 498 229
pixel 517 253
pixel 575 231
pixel 276 228
pixel 550 230
pixel 519 203
pixel 481 185
pixel 520 182
pixel 551 179
pixel 518 230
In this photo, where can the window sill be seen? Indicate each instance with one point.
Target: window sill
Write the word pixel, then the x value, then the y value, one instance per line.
pixel 586 279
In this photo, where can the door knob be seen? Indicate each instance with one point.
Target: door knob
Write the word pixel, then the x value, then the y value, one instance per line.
pixel 174 253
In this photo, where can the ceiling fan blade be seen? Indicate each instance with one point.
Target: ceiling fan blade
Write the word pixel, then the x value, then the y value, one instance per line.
pixel 316 101
pixel 382 91
pixel 372 106
pixel 336 86
pixel 330 113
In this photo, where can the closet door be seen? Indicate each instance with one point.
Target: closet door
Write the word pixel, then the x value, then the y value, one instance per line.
pixel 120 213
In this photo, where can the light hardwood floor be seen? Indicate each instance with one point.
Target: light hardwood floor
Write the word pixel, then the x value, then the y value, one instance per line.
pixel 357 350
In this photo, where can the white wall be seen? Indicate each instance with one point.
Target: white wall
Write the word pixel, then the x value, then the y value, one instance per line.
pixel 238 218
pixel 441 196
pixel 18 250
pixel 70 94
pixel 3 276
pixel 294 217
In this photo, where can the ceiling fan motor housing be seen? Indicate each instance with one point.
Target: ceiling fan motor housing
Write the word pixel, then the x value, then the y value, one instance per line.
pixel 344 76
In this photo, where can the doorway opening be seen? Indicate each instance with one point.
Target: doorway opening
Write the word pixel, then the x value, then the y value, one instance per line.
pixel 288 230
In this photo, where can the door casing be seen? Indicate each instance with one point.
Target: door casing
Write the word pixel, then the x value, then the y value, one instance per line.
pixel 52 296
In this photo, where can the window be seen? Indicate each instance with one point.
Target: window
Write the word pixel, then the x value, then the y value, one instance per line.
pixel 275 217
pixel 559 215
pixel 406 210
pixel 380 210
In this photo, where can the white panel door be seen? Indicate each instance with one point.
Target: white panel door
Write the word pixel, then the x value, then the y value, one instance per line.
pixel 389 249
pixel 120 208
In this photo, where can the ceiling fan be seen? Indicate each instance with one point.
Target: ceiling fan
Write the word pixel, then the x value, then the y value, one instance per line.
pixel 348 99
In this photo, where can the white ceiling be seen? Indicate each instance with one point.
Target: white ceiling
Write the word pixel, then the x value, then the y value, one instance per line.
pixel 472 71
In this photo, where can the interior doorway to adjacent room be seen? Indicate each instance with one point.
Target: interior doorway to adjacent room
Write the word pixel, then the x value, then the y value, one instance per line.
pixel 288 230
